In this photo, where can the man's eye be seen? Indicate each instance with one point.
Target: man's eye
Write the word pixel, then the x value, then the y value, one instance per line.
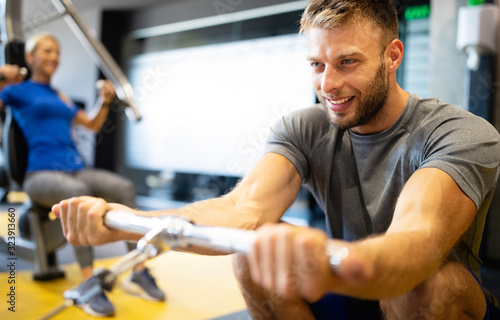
pixel 315 64
pixel 347 61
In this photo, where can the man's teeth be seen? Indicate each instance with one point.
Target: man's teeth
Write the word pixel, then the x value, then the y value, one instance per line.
pixel 340 101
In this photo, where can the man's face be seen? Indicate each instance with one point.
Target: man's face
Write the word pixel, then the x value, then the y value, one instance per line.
pixel 349 74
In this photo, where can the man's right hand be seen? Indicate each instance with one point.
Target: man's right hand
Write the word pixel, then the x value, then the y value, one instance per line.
pixel 82 220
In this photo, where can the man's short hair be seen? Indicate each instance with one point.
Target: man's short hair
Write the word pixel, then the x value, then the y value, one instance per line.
pixel 333 13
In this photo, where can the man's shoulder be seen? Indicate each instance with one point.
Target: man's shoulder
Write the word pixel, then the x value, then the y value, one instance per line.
pixel 311 118
pixel 433 113
pixel 435 108
pixel 315 114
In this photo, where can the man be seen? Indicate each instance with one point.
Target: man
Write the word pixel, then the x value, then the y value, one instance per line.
pixel 405 184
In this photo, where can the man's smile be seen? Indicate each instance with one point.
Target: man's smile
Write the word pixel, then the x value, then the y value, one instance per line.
pixel 338 105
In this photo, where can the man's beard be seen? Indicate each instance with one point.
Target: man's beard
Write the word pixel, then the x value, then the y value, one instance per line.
pixel 369 105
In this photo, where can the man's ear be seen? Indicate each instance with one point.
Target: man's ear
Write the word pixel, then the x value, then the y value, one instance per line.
pixel 394 55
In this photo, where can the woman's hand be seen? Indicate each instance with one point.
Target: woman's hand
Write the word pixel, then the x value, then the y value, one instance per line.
pixel 106 91
pixel 11 73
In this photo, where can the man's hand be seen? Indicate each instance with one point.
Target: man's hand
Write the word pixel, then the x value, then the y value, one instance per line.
pixel 292 262
pixel 82 221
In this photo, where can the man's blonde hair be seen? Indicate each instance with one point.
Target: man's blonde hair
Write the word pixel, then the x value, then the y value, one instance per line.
pixel 333 13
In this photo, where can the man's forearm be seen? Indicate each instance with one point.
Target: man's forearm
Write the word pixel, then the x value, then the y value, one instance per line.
pixel 220 212
pixel 394 264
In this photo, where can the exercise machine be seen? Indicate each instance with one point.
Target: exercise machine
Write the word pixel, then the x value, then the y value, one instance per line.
pixel 161 234
pixel 41 236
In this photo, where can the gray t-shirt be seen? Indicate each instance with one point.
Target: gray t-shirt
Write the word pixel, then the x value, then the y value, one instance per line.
pixel 356 179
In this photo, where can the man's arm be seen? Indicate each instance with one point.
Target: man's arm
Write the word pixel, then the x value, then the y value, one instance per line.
pixel 431 214
pixel 262 196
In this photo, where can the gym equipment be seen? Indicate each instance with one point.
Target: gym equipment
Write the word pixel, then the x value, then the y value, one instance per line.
pixel 98 53
pixel 10 30
pixel 46 235
pixel 161 234
pixel 40 240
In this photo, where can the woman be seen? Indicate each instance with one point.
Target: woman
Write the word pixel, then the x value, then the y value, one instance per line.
pixel 56 170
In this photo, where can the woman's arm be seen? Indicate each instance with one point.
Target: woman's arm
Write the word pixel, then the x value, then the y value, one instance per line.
pixel 9 74
pixel 95 120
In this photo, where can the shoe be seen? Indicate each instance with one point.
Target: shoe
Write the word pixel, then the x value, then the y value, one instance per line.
pixel 143 284
pixel 99 306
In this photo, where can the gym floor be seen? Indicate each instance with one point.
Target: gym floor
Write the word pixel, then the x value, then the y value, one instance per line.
pixel 197 287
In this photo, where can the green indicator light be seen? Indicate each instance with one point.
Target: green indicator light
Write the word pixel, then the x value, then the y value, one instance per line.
pixel 475 2
pixel 418 12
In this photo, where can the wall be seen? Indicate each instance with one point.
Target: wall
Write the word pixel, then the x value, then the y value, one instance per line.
pixel 447 64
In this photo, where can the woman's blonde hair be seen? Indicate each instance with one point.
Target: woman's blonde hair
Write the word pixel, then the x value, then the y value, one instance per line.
pixel 34 40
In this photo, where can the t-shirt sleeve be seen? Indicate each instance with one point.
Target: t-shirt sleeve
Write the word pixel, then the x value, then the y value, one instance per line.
pixel 294 137
pixel 74 110
pixel 282 140
pixel 467 148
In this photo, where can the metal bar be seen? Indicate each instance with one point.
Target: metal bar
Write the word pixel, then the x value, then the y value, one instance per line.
pixel 218 20
pixel 36 25
pixel 10 26
pixel 178 232
pixel 99 54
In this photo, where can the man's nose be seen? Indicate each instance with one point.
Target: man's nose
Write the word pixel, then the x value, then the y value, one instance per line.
pixel 332 80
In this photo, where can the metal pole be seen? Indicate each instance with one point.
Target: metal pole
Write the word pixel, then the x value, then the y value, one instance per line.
pixel 99 53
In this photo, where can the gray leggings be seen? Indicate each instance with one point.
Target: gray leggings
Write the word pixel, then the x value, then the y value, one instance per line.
pixel 47 188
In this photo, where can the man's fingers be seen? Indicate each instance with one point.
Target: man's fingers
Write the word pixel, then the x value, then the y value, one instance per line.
pixel 253 262
pixel 95 222
pixel 71 218
pixel 81 220
pixel 313 267
pixel 267 264
pixel 286 282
